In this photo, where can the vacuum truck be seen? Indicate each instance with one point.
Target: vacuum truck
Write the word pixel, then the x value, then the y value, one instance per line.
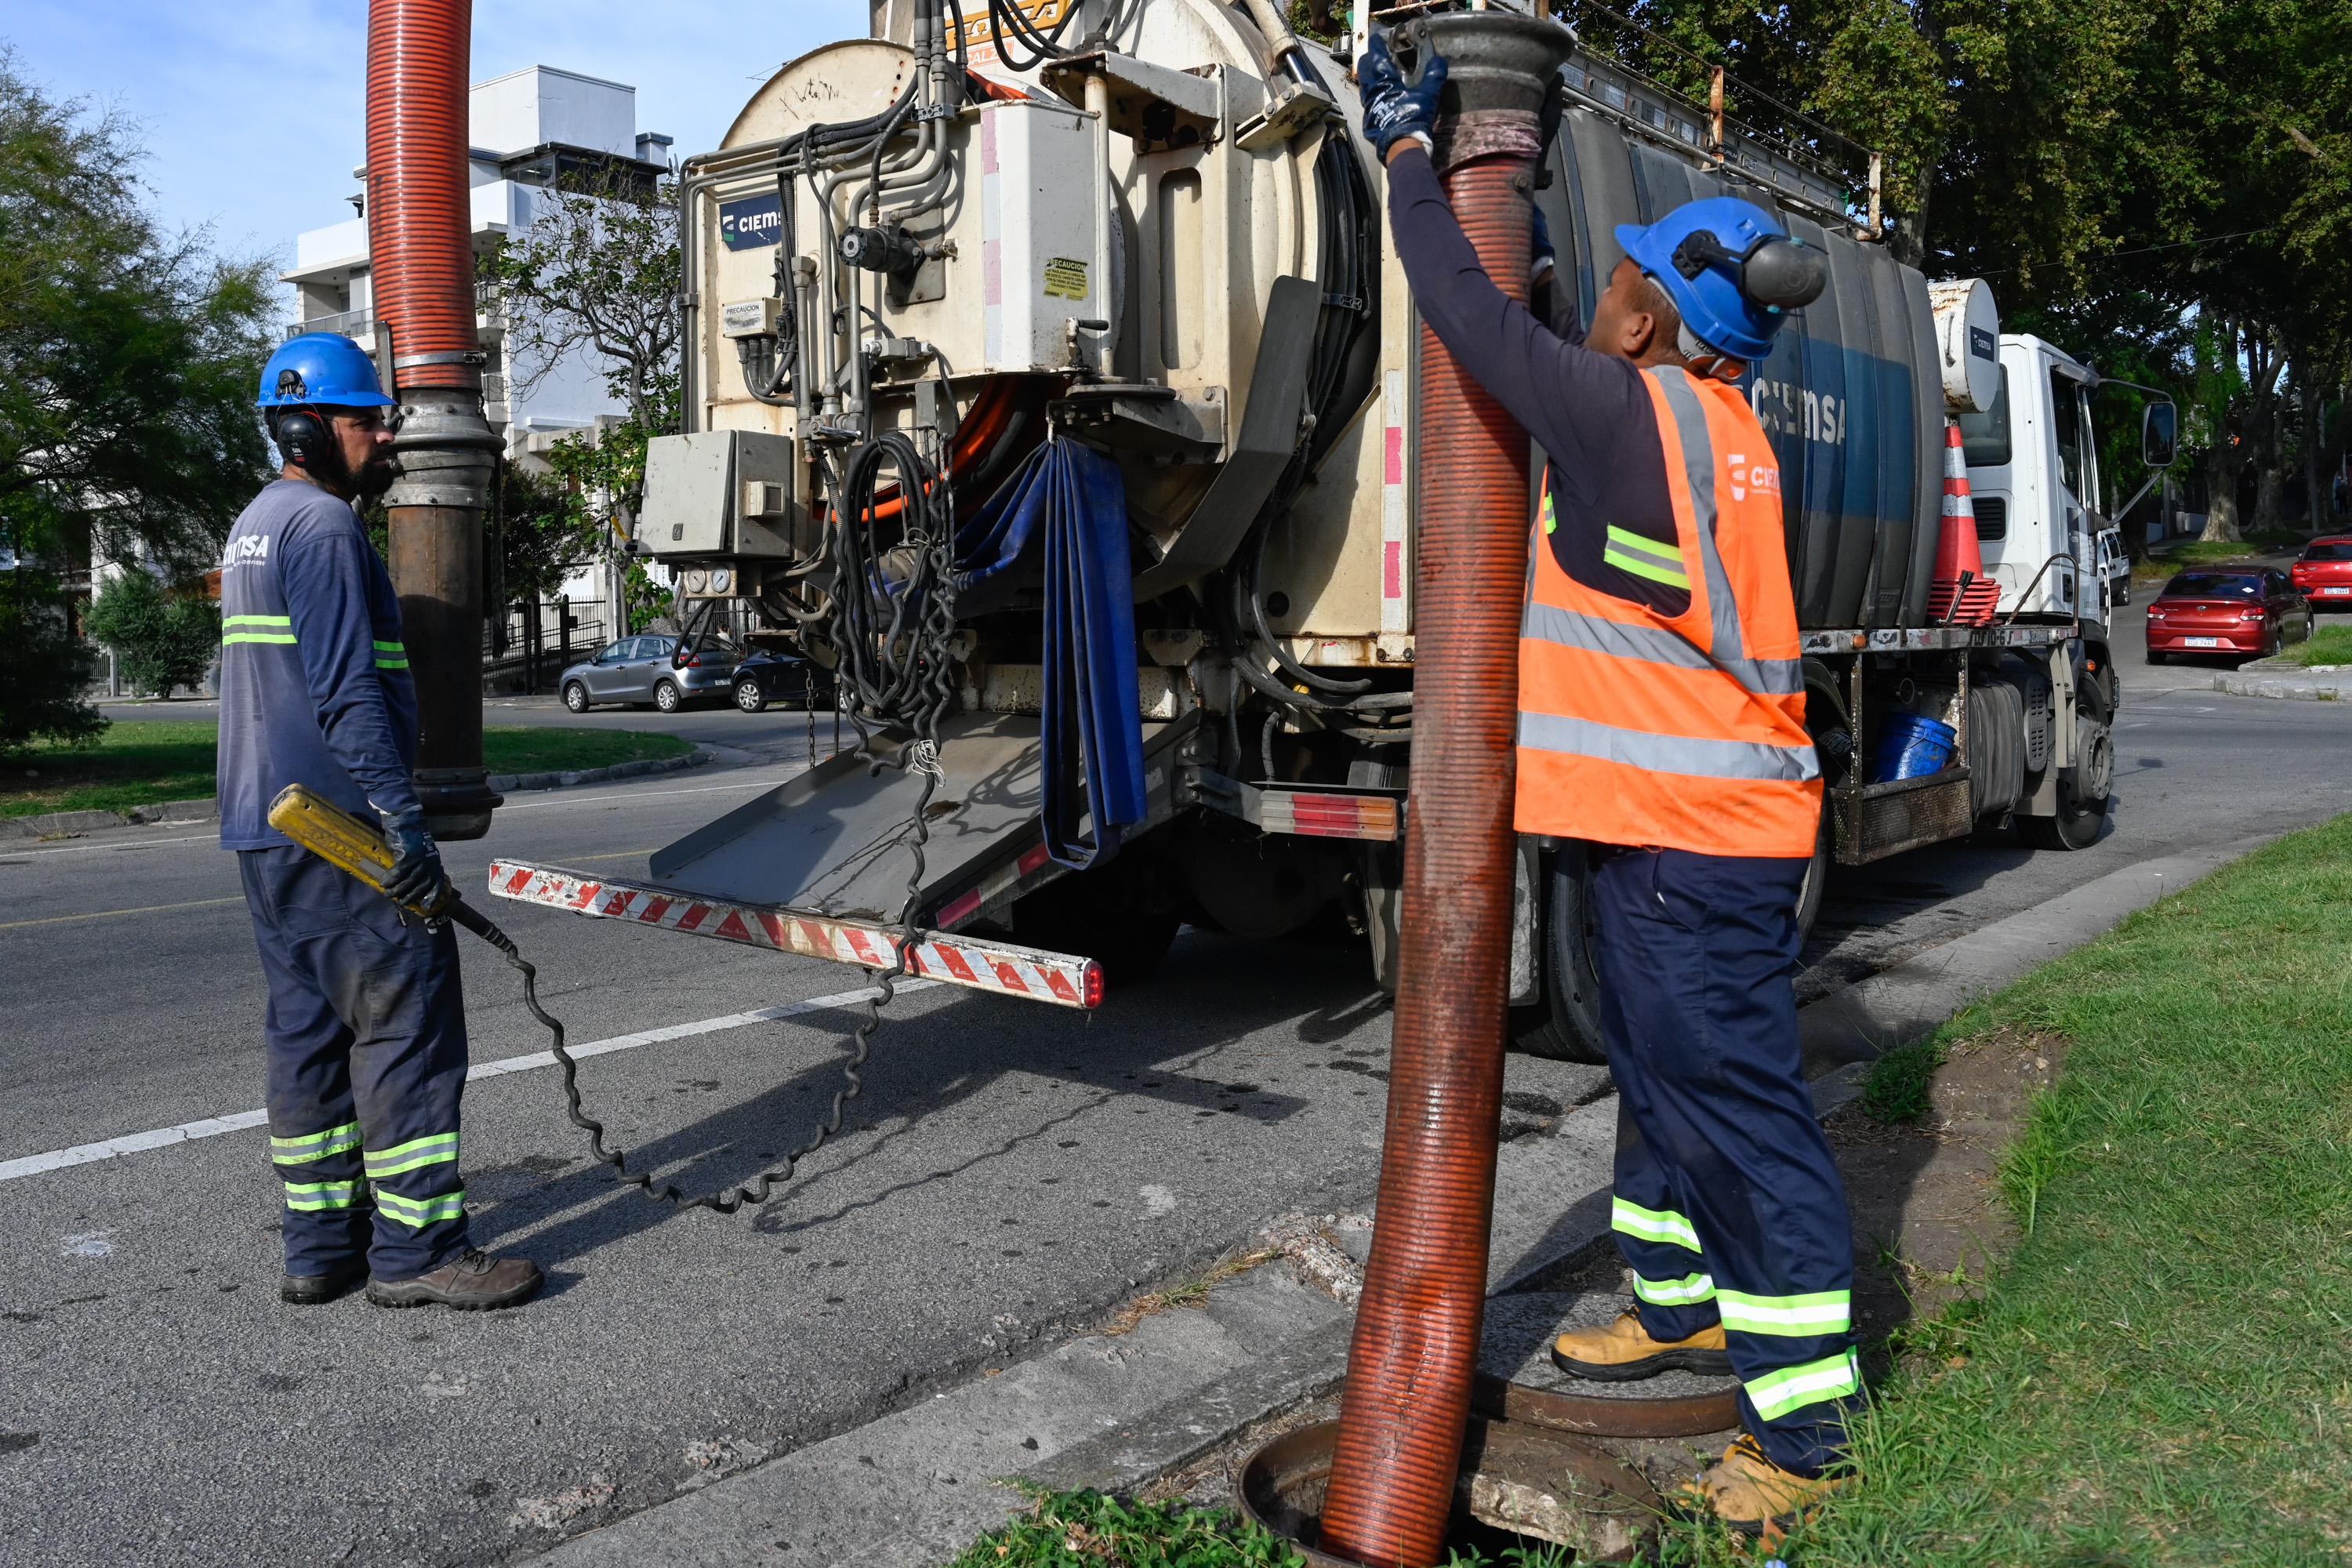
pixel 1049 379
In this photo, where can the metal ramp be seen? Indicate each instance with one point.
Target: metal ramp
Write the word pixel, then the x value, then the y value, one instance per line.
pixel 819 864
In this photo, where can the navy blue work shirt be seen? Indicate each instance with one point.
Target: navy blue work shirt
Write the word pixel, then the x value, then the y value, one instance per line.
pixel 315 688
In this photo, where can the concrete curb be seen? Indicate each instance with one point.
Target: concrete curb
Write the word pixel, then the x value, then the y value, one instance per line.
pixel 508 784
pixel 195 811
pixel 2309 689
pixel 1115 1413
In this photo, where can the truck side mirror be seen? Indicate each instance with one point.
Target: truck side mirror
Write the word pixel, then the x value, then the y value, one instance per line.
pixel 2159 434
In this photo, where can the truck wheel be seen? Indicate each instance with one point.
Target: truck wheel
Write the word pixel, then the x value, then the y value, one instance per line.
pixel 1817 877
pixel 1566 1024
pixel 2082 792
pixel 1080 913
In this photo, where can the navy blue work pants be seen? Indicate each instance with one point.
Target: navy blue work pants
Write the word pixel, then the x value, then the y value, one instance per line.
pixel 366 1034
pixel 1727 1204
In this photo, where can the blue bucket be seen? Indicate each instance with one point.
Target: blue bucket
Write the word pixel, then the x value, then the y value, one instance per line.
pixel 1911 746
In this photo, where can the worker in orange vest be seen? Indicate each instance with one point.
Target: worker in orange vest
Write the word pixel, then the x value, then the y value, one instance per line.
pixel 1662 724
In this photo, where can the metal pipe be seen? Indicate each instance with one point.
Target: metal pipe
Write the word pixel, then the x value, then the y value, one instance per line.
pixel 421 251
pixel 1415 1352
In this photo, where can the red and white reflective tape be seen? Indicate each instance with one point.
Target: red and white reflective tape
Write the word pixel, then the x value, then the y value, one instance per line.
pixel 1004 879
pixel 1032 973
pixel 1327 816
pixel 1396 571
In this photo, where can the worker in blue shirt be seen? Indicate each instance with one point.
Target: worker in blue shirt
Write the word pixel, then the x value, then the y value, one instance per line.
pixel 367 1025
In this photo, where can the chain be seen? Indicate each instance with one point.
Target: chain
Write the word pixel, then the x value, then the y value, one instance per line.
pixel 914 687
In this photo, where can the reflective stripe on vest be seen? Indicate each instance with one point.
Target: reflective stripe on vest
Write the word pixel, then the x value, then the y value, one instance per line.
pixel 1656 645
pixel 1700 758
pixel 1684 730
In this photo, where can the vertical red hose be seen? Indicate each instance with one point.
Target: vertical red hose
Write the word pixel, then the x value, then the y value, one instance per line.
pixel 419 207
pixel 1416 1341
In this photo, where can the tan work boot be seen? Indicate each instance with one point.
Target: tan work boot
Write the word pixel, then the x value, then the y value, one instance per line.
pixel 1624 1352
pixel 473 1281
pixel 1748 1492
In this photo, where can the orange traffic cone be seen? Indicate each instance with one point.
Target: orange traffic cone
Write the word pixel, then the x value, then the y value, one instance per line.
pixel 1962 594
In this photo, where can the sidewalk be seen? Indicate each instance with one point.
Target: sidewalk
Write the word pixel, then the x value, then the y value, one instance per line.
pixel 61 824
pixel 1117 1410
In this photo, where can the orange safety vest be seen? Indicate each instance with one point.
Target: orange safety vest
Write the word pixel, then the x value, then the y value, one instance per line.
pixel 1681 731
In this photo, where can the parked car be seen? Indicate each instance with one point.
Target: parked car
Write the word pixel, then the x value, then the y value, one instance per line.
pixel 2323 572
pixel 786 679
pixel 2251 612
pixel 642 669
pixel 2114 565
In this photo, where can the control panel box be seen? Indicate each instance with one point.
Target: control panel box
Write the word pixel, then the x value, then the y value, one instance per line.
pixel 723 492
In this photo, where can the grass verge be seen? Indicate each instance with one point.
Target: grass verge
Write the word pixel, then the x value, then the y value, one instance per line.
pixel 2200 552
pixel 145 762
pixel 1088 1529
pixel 2162 1371
pixel 2328 644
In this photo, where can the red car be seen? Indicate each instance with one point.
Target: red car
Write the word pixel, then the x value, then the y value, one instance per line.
pixel 2248 613
pixel 2323 572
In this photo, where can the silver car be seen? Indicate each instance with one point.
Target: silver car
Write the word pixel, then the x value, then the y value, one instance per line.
pixel 641 669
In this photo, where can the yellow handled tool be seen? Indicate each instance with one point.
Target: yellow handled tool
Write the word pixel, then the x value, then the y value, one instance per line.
pixel 342 840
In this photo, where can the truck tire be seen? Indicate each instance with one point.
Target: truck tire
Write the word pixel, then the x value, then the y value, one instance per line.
pixel 1565 1025
pixel 2082 792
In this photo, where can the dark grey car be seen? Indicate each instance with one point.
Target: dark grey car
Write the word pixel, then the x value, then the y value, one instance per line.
pixel 642 669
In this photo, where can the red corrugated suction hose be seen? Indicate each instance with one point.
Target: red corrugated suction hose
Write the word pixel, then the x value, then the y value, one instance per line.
pixel 419 206
pixel 1416 1343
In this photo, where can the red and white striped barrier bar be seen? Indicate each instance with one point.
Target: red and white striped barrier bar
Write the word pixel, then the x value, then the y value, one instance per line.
pixel 1002 880
pixel 1327 816
pixel 1030 973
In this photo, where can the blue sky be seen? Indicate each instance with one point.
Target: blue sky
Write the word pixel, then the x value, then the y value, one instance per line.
pixel 251 109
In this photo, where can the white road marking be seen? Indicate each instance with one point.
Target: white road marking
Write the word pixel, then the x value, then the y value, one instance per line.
pixel 214 1126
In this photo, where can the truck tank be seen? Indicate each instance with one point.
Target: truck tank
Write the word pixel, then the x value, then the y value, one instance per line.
pixel 1161 238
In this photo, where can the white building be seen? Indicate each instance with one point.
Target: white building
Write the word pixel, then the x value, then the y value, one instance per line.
pixel 528 129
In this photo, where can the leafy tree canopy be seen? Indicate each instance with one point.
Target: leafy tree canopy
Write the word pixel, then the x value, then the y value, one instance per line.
pixel 128 357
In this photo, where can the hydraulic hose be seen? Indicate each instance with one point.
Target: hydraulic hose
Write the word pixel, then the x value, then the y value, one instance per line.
pixel 1415 1350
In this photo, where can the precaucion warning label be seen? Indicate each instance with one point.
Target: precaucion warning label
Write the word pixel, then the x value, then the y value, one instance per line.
pixel 1064 279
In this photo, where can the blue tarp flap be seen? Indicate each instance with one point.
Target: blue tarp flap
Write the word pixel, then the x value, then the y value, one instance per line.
pixel 1067 504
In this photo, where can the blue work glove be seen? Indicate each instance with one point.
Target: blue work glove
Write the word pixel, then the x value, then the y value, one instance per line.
pixel 1542 258
pixel 416 877
pixel 1391 110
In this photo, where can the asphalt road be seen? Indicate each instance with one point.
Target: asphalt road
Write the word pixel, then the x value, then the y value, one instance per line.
pixel 1010 1174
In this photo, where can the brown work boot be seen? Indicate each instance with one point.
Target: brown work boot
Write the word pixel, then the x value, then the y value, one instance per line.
pixel 1748 1492
pixel 473 1281
pixel 1624 1351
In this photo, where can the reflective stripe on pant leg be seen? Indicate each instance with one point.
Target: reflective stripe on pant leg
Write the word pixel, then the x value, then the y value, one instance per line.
pixel 1686 1291
pixel 416 1213
pixel 315 1197
pixel 1652 1225
pixel 314 1145
pixel 1777 1394
pixel 1796 1317
pixel 417 1153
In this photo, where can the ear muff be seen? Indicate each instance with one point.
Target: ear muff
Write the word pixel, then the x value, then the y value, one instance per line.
pixel 300 435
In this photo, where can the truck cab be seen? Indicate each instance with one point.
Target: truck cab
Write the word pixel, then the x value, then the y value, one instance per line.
pixel 2033 474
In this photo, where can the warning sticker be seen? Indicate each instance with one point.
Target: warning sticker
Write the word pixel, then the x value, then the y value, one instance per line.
pixel 1064 279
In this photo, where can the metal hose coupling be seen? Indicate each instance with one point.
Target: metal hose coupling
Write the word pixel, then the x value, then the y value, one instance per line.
pixel 1415 1352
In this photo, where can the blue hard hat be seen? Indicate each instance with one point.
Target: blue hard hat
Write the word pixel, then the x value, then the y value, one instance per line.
pixel 320 367
pixel 1701 254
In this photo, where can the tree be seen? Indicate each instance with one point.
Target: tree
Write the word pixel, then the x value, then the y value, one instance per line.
pixel 160 641
pixel 598 272
pixel 128 357
pixel 44 668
